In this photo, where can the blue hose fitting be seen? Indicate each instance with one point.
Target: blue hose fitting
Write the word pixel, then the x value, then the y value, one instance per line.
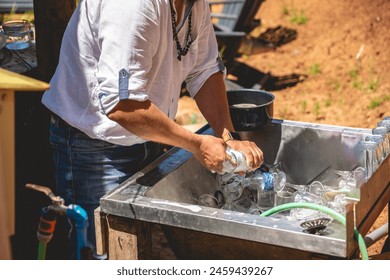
pixel 81 219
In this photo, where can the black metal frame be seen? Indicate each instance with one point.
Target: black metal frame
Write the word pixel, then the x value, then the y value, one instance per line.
pixel 229 39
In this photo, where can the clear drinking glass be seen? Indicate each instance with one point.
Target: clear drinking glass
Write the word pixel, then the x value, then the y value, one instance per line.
pixel 371 157
pixel 284 196
pixel 267 184
pixel 278 176
pixel 313 193
pixel 232 186
pixel 338 203
pixel 235 162
pixel 379 139
pixel 384 132
pixel 265 191
pixel 385 123
pixel 351 181
pixel 265 199
pixel 18 33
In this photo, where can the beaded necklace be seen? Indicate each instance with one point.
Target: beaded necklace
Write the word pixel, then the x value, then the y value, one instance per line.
pixel 187 43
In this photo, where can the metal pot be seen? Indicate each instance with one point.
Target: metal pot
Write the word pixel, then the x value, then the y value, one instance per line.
pixel 250 109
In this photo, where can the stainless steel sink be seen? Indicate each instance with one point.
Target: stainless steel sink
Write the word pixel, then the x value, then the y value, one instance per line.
pixel 166 193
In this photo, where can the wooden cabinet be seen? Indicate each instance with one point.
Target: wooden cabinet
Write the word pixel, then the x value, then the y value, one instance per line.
pixel 9 83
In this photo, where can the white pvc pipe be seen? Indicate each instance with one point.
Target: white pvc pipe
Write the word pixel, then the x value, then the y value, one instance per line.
pixel 377 234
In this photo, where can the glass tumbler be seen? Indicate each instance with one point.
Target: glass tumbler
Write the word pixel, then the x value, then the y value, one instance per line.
pixel 313 193
pixel 371 157
pixel 385 133
pixel 18 33
pixel 379 139
pixel 384 130
pixel 232 187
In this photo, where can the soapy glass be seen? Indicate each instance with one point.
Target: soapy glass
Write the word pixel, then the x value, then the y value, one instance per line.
pixel 232 186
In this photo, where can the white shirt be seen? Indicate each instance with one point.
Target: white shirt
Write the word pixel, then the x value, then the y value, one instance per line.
pixel 127 42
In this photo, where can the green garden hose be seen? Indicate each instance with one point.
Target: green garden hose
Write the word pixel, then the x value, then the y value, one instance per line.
pixel 42 250
pixel 323 209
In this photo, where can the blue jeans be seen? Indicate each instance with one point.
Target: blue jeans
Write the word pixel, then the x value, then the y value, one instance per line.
pixel 86 169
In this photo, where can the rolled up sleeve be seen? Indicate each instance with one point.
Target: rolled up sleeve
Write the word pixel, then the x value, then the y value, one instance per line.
pixel 128 37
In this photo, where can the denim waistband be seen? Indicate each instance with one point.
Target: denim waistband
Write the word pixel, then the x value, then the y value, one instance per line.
pixel 148 145
pixel 57 121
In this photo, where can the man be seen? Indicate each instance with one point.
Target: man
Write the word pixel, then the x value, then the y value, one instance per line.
pixel 116 88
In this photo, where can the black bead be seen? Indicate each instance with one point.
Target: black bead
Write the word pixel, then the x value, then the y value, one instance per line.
pixel 187 42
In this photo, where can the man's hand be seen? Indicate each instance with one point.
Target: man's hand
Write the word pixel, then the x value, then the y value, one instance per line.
pixel 254 155
pixel 212 101
pixel 211 153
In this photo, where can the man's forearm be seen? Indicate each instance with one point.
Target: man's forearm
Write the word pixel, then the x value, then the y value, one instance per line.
pixel 212 102
pixel 145 120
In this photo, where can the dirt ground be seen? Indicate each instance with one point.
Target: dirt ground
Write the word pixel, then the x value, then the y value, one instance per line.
pixel 341 48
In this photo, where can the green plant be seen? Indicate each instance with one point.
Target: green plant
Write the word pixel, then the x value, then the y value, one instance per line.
pixel 10 15
pixel 317 109
pixel 341 100
pixel 222 51
pixel 298 17
pixel 373 85
pixel 285 11
pixel 29 16
pixel 328 101
pixel 376 102
pixel 304 106
pixel 315 69
pixel 337 85
pixel 334 84
pixel 354 74
pixel 222 54
pixel 357 84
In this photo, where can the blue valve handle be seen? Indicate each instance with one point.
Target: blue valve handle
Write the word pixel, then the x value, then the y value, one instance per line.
pixel 81 219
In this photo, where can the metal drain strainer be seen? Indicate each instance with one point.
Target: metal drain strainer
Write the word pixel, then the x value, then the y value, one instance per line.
pixel 316 226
